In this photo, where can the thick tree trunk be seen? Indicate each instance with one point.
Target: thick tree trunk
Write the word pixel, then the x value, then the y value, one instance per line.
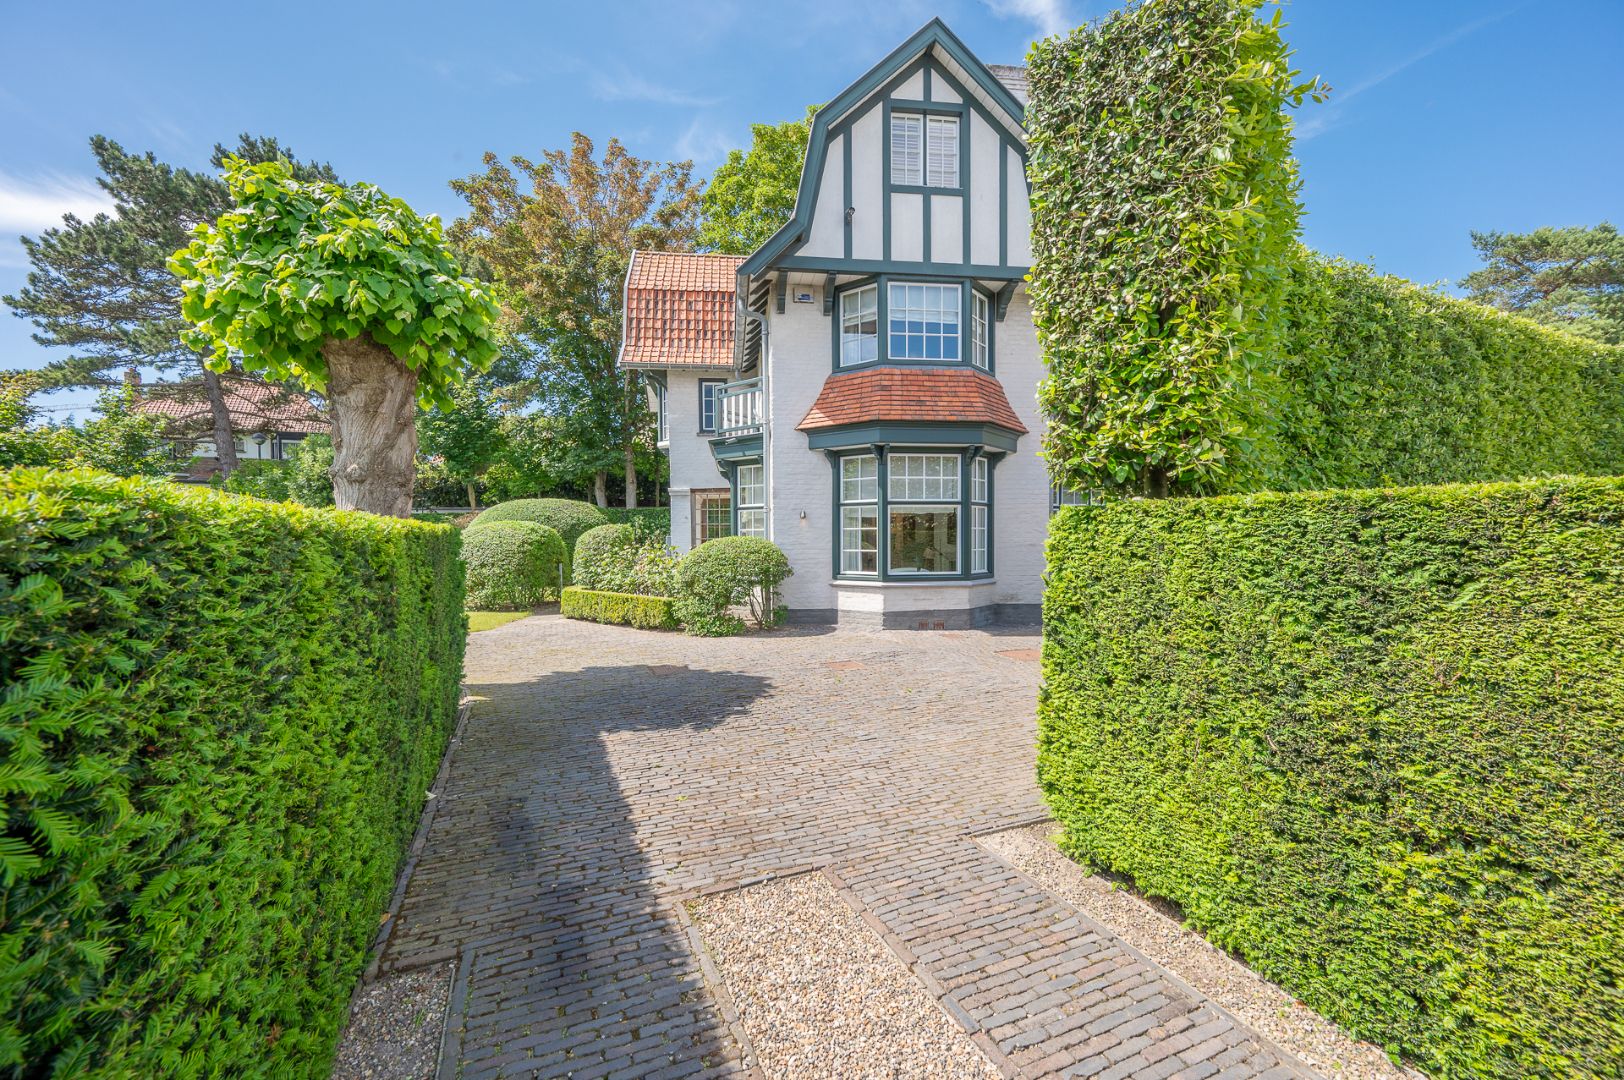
pixel 631 478
pixel 373 398
pixel 600 488
pixel 225 440
pixel 473 495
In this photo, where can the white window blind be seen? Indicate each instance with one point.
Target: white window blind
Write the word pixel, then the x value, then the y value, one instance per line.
pixel 907 155
pixel 942 152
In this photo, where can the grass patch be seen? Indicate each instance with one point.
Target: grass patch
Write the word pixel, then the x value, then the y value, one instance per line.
pixel 490 620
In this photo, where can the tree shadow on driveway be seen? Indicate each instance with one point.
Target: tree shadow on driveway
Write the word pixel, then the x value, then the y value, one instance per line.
pixel 536 877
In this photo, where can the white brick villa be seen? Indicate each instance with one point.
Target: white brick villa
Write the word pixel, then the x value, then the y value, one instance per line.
pixel 861 390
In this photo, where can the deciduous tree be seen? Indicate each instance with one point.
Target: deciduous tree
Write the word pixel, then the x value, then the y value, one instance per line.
pixel 558 235
pixel 467 436
pixel 1570 277
pixel 752 193
pixel 351 293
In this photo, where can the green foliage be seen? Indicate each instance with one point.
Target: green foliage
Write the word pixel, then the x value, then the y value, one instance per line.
pixel 752 194
pixel 1164 204
pixel 620 559
pixel 570 517
pixel 119 440
pixel 220 719
pixel 23 440
pixel 1570 278
pixel 513 565
pixel 1382 382
pixel 529 466
pixel 260 478
pixel 298 262
pixel 725 573
pixel 433 484
pixel 622 609
pixel 648 521
pixel 310 465
pixel 1372 741
pixel 467 436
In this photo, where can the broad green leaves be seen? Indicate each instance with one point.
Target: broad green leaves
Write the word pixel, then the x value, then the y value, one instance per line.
pixel 299 262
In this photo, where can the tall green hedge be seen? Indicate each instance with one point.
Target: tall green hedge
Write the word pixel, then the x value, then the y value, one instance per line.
pixel 219 721
pixel 1373 741
pixel 1383 382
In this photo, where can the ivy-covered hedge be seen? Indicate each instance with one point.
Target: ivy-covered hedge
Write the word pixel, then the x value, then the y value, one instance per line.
pixel 1382 382
pixel 1372 741
pixel 220 718
pixel 623 609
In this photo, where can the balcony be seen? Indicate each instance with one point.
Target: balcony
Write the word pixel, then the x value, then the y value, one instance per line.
pixel 738 409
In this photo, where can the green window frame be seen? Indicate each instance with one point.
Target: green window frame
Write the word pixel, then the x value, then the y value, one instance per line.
pixel 913 513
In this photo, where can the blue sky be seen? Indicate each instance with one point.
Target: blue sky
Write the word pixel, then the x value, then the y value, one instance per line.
pixel 1447 115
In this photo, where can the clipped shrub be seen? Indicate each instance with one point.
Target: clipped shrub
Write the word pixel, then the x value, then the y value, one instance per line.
pixel 623 609
pixel 1372 741
pixel 512 565
pixel 728 572
pixel 604 558
pixel 568 517
pixel 648 521
pixel 221 716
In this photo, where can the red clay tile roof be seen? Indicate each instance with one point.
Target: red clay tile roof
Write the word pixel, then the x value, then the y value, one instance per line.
pixel 940 395
pixel 679 310
pixel 254 406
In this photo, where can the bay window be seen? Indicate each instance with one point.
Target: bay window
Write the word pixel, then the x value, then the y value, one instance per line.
pixel 980 518
pixel 979 354
pixel 923 321
pixel 752 485
pixel 859 515
pixel 859 325
pixel 922 496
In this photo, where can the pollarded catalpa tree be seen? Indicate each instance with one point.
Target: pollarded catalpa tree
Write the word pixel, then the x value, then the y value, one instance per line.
pixel 353 294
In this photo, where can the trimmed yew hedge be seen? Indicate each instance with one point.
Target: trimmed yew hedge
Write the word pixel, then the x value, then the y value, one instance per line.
pixel 1372 741
pixel 220 718
pixel 623 609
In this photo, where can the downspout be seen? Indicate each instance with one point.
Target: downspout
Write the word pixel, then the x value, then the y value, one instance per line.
pixel 766 412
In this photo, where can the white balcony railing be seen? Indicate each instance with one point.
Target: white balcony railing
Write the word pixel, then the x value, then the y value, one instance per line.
pixel 738 408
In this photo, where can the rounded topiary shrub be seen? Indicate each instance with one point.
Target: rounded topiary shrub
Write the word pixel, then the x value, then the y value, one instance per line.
pixel 569 517
pixel 512 565
pixel 604 558
pixel 725 573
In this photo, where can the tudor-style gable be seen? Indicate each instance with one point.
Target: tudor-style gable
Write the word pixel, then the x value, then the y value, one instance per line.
pixel 918 167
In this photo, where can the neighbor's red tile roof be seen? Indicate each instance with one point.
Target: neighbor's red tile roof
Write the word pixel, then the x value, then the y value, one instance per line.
pixel 679 310
pixel 253 405
pixel 942 395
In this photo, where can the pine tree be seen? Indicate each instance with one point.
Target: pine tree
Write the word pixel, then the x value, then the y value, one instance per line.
pixel 101 289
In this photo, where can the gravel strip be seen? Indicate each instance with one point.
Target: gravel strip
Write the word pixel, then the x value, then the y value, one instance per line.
pixel 820 995
pixel 1258 1003
pixel 394 1029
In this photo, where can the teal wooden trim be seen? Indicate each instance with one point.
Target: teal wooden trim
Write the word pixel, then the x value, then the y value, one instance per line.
pixel 1003 297
pixel 882 452
pixel 781 287
pixel 847 208
pixel 885 181
pixel 923 189
pixel 655 376
pixel 937 108
pixel 933 34
pixel 741 449
pixel 924 228
pixel 934 271
pixel 921 434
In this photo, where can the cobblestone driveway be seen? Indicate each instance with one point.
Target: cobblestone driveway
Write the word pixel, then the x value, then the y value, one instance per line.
pixel 606 774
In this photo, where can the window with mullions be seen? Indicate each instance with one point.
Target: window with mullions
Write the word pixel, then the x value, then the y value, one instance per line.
pixel 980 517
pixel 922 504
pixel 923 321
pixel 752 500
pixel 978 330
pixel 859 515
pixel 924 150
pixel 859 325
pixel 712 515
pixel 660 433
pixel 707 403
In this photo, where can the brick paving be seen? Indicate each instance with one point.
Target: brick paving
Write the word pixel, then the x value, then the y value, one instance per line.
pixel 607 774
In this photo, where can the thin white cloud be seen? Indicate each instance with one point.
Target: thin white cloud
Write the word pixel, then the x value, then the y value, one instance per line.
pixel 1049 16
pixel 625 86
pixel 703 144
pixel 1328 116
pixel 31 205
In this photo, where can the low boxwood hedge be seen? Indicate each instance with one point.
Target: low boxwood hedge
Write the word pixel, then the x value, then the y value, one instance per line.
pixel 513 565
pixel 220 718
pixel 623 609
pixel 1372 741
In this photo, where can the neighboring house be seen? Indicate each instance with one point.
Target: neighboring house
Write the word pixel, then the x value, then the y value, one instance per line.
pixel 862 389
pixel 267 421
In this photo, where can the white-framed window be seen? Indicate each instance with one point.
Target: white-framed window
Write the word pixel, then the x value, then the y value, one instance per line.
pixel 942 151
pixel 923 320
pixel 907 148
pixel 752 484
pixel 660 433
pixel 922 510
pixel 924 150
pixel 978 330
pixel 707 403
pixel 859 514
pixel 980 516
pixel 860 325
